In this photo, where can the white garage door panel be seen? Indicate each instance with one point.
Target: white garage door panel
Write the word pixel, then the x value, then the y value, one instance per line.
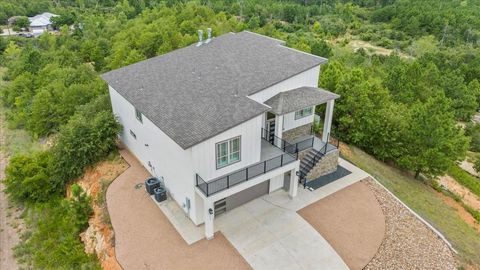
pixel 247 195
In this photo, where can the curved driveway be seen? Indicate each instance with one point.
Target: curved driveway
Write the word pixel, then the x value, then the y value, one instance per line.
pixel 145 239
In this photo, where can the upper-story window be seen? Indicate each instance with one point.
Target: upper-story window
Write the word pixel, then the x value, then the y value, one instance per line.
pixel 138 115
pixel 303 113
pixel 228 152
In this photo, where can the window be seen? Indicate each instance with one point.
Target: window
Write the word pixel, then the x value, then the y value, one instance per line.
pixel 133 134
pixel 303 113
pixel 228 152
pixel 138 114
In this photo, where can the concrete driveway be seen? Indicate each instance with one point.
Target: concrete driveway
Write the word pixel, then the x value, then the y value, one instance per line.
pixel 269 233
pixel 272 237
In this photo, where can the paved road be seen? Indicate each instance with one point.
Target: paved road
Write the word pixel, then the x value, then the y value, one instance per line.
pixel 8 235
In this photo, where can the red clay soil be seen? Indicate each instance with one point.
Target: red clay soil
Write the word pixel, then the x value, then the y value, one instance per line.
pixel 352 221
pixel 144 237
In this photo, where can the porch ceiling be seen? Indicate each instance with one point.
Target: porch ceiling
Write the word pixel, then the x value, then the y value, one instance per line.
pixel 299 98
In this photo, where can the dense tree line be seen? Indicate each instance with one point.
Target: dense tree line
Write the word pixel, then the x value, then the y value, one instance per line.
pixel 403 110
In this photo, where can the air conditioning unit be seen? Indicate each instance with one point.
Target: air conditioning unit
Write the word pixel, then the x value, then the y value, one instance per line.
pixel 151 184
pixel 160 194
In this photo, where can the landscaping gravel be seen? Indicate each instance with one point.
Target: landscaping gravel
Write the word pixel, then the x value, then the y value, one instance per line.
pixel 408 242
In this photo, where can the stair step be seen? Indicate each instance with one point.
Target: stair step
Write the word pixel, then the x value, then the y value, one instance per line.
pixel 306 166
pixel 303 173
pixel 308 161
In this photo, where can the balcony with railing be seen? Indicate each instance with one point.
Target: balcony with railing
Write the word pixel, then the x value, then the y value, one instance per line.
pixel 274 154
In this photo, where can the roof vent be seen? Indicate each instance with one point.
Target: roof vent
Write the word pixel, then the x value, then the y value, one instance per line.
pixel 200 37
pixel 209 32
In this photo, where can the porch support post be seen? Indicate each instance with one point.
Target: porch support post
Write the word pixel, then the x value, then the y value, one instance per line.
pixel 278 125
pixel 209 229
pixel 292 193
pixel 327 124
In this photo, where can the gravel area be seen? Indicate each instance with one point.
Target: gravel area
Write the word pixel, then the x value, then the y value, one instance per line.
pixel 408 242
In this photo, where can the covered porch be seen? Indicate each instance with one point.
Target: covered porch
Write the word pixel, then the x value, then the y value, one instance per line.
pixel 292 117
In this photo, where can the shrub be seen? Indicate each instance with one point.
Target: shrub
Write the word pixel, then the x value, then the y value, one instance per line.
pixel 469 181
pixel 51 241
pixel 476 165
pixel 28 177
pixel 22 22
pixel 89 136
pixel 473 131
pixel 321 48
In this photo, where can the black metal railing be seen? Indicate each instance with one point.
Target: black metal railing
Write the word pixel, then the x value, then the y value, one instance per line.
pixel 280 143
pixel 316 158
pixel 243 175
pixel 290 150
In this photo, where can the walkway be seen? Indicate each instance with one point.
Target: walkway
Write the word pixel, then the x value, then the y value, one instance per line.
pixel 145 239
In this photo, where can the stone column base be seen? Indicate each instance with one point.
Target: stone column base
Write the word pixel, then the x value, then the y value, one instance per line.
pixel 328 164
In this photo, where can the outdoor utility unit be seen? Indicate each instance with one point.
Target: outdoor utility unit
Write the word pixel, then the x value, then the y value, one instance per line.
pixel 151 184
pixel 160 194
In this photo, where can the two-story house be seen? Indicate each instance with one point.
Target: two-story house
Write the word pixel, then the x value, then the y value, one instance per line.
pixel 225 120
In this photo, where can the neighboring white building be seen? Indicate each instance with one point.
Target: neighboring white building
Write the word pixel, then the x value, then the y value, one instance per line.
pixel 41 23
pixel 210 119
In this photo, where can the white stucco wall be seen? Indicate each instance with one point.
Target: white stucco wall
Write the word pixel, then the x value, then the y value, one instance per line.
pixel 289 121
pixel 306 78
pixel 204 159
pixel 276 182
pixel 167 158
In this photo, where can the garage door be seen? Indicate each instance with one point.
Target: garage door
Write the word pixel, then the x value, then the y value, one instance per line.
pixel 241 197
pixel 247 195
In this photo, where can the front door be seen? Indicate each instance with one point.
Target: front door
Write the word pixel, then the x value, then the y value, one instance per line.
pixel 271 130
pixel 270 126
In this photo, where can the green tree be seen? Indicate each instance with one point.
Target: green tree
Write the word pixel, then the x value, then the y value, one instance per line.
pixel 433 140
pixel 22 22
pixel 28 177
pixel 89 136
pixel 424 45
pixel 473 131
pixel 331 75
pixel 321 48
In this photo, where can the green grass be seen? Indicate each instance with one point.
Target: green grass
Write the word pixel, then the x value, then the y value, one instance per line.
pixel 425 201
pixel 469 181
pixel 472 156
pixel 16 140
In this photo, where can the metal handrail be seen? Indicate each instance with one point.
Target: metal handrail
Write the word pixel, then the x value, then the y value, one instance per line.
pixel 229 180
pixel 284 145
pixel 318 155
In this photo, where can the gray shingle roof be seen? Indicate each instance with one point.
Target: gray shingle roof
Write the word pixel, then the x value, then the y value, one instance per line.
pixel 299 98
pixel 195 93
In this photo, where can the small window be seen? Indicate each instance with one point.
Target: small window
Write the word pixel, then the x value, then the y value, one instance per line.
pixel 303 113
pixel 133 134
pixel 228 152
pixel 138 114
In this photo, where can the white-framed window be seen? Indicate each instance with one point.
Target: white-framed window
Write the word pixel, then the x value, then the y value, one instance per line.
pixel 138 115
pixel 228 152
pixel 133 134
pixel 303 113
